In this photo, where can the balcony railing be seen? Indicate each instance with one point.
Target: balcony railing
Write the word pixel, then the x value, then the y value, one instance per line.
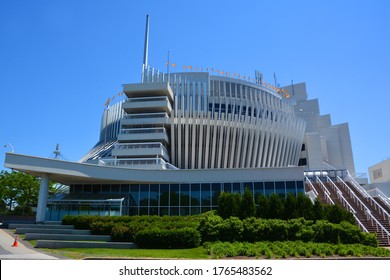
pixel 142 130
pixel 137 163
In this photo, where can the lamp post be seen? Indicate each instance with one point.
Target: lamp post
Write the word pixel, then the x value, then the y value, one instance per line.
pixel 9 145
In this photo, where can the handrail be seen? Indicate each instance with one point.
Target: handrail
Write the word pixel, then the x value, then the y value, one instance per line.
pixel 383 197
pixel 341 197
pixel 368 212
pixel 326 191
pixel 376 192
pixel 357 186
pixel 360 224
pixel 376 204
pixel 353 210
pixel 311 186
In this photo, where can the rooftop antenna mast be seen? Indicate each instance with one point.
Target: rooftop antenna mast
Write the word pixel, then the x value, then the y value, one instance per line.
pixel 168 68
pixel 292 87
pixel 146 42
pixel 57 154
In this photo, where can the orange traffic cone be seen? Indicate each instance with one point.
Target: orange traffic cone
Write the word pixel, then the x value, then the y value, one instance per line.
pixel 16 244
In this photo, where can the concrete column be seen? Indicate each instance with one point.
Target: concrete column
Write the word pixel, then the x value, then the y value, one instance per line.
pixel 42 199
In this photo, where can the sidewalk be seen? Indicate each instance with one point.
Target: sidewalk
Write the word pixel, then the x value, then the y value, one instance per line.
pixel 7 252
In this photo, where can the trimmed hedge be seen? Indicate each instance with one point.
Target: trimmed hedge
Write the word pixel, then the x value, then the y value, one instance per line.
pixel 294 249
pixel 255 230
pixel 168 238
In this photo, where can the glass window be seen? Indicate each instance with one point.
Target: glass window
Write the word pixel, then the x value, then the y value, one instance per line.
pixel 143 211
pixel 125 188
pixel 269 188
pixel 154 195
pixel 216 191
pixel 134 195
pixel 195 194
pixel 206 195
pixel 227 187
pixel 87 189
pixel 134 211
pixel 300 186
pixel 258 188
pixel 184 195
pixel 164 189
pixel 237 188
pixel 115 188
pixel 290 187
pixel 144 195
pixel 164 211
pixel 184 211
pixel 78 189
pixel 106 188
pixel 195 210
pixel 174 195
pixel 96 188
pixel 280 188
pixel 153 210
pixel 174 211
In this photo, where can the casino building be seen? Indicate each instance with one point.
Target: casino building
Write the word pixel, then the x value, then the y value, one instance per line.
pixel 177 140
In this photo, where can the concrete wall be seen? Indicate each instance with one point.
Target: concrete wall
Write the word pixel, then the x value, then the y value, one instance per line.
pixel 380 172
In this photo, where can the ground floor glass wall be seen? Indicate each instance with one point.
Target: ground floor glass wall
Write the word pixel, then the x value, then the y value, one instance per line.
pixel 174 199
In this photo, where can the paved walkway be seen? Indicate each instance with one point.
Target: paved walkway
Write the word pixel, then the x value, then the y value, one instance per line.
pixel 22 252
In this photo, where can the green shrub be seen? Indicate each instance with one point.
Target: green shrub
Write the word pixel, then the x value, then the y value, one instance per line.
pixel 168 239
pixel 209 227
pixel 102 228
pixel 84 222
pixel 231 230
pixel 69 220
pixel 278 230
pixel 121 233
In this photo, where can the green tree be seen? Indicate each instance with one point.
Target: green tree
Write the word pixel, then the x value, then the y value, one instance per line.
pixel 247 205
pixel 262 209
pixel 318 210
pixel 304 207
pixel 224 205
pixel 276 210
pixel 228 205
pixel 290 206
pixel 19 191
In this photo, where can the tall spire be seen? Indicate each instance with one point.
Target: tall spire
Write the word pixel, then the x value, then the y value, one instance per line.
pixel 146 41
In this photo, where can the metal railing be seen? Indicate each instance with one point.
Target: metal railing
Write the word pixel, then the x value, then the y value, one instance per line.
pixel 142 130
pixel 365 194
pixel 326 192
pixel 132 162
pixel 367 212
pixel 383 197
pixel 146 116
pixel 349 206
pixel 147 99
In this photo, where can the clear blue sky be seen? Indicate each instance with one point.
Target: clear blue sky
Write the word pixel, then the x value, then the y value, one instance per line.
pixel 61 60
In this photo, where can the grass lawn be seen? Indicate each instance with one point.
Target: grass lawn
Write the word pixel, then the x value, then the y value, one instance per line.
pixel 82 253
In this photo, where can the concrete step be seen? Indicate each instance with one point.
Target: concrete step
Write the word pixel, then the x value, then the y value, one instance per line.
pixel 48 226
pixel 68 237
pixel 52 231
pixel 53 244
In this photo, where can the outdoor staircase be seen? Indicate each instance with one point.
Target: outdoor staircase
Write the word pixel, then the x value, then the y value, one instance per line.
pixel 371 216
pixel 54 235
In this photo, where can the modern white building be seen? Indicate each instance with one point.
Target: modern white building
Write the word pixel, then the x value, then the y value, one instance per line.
pixel 325 146
pixel 177 140
pixel 380 180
